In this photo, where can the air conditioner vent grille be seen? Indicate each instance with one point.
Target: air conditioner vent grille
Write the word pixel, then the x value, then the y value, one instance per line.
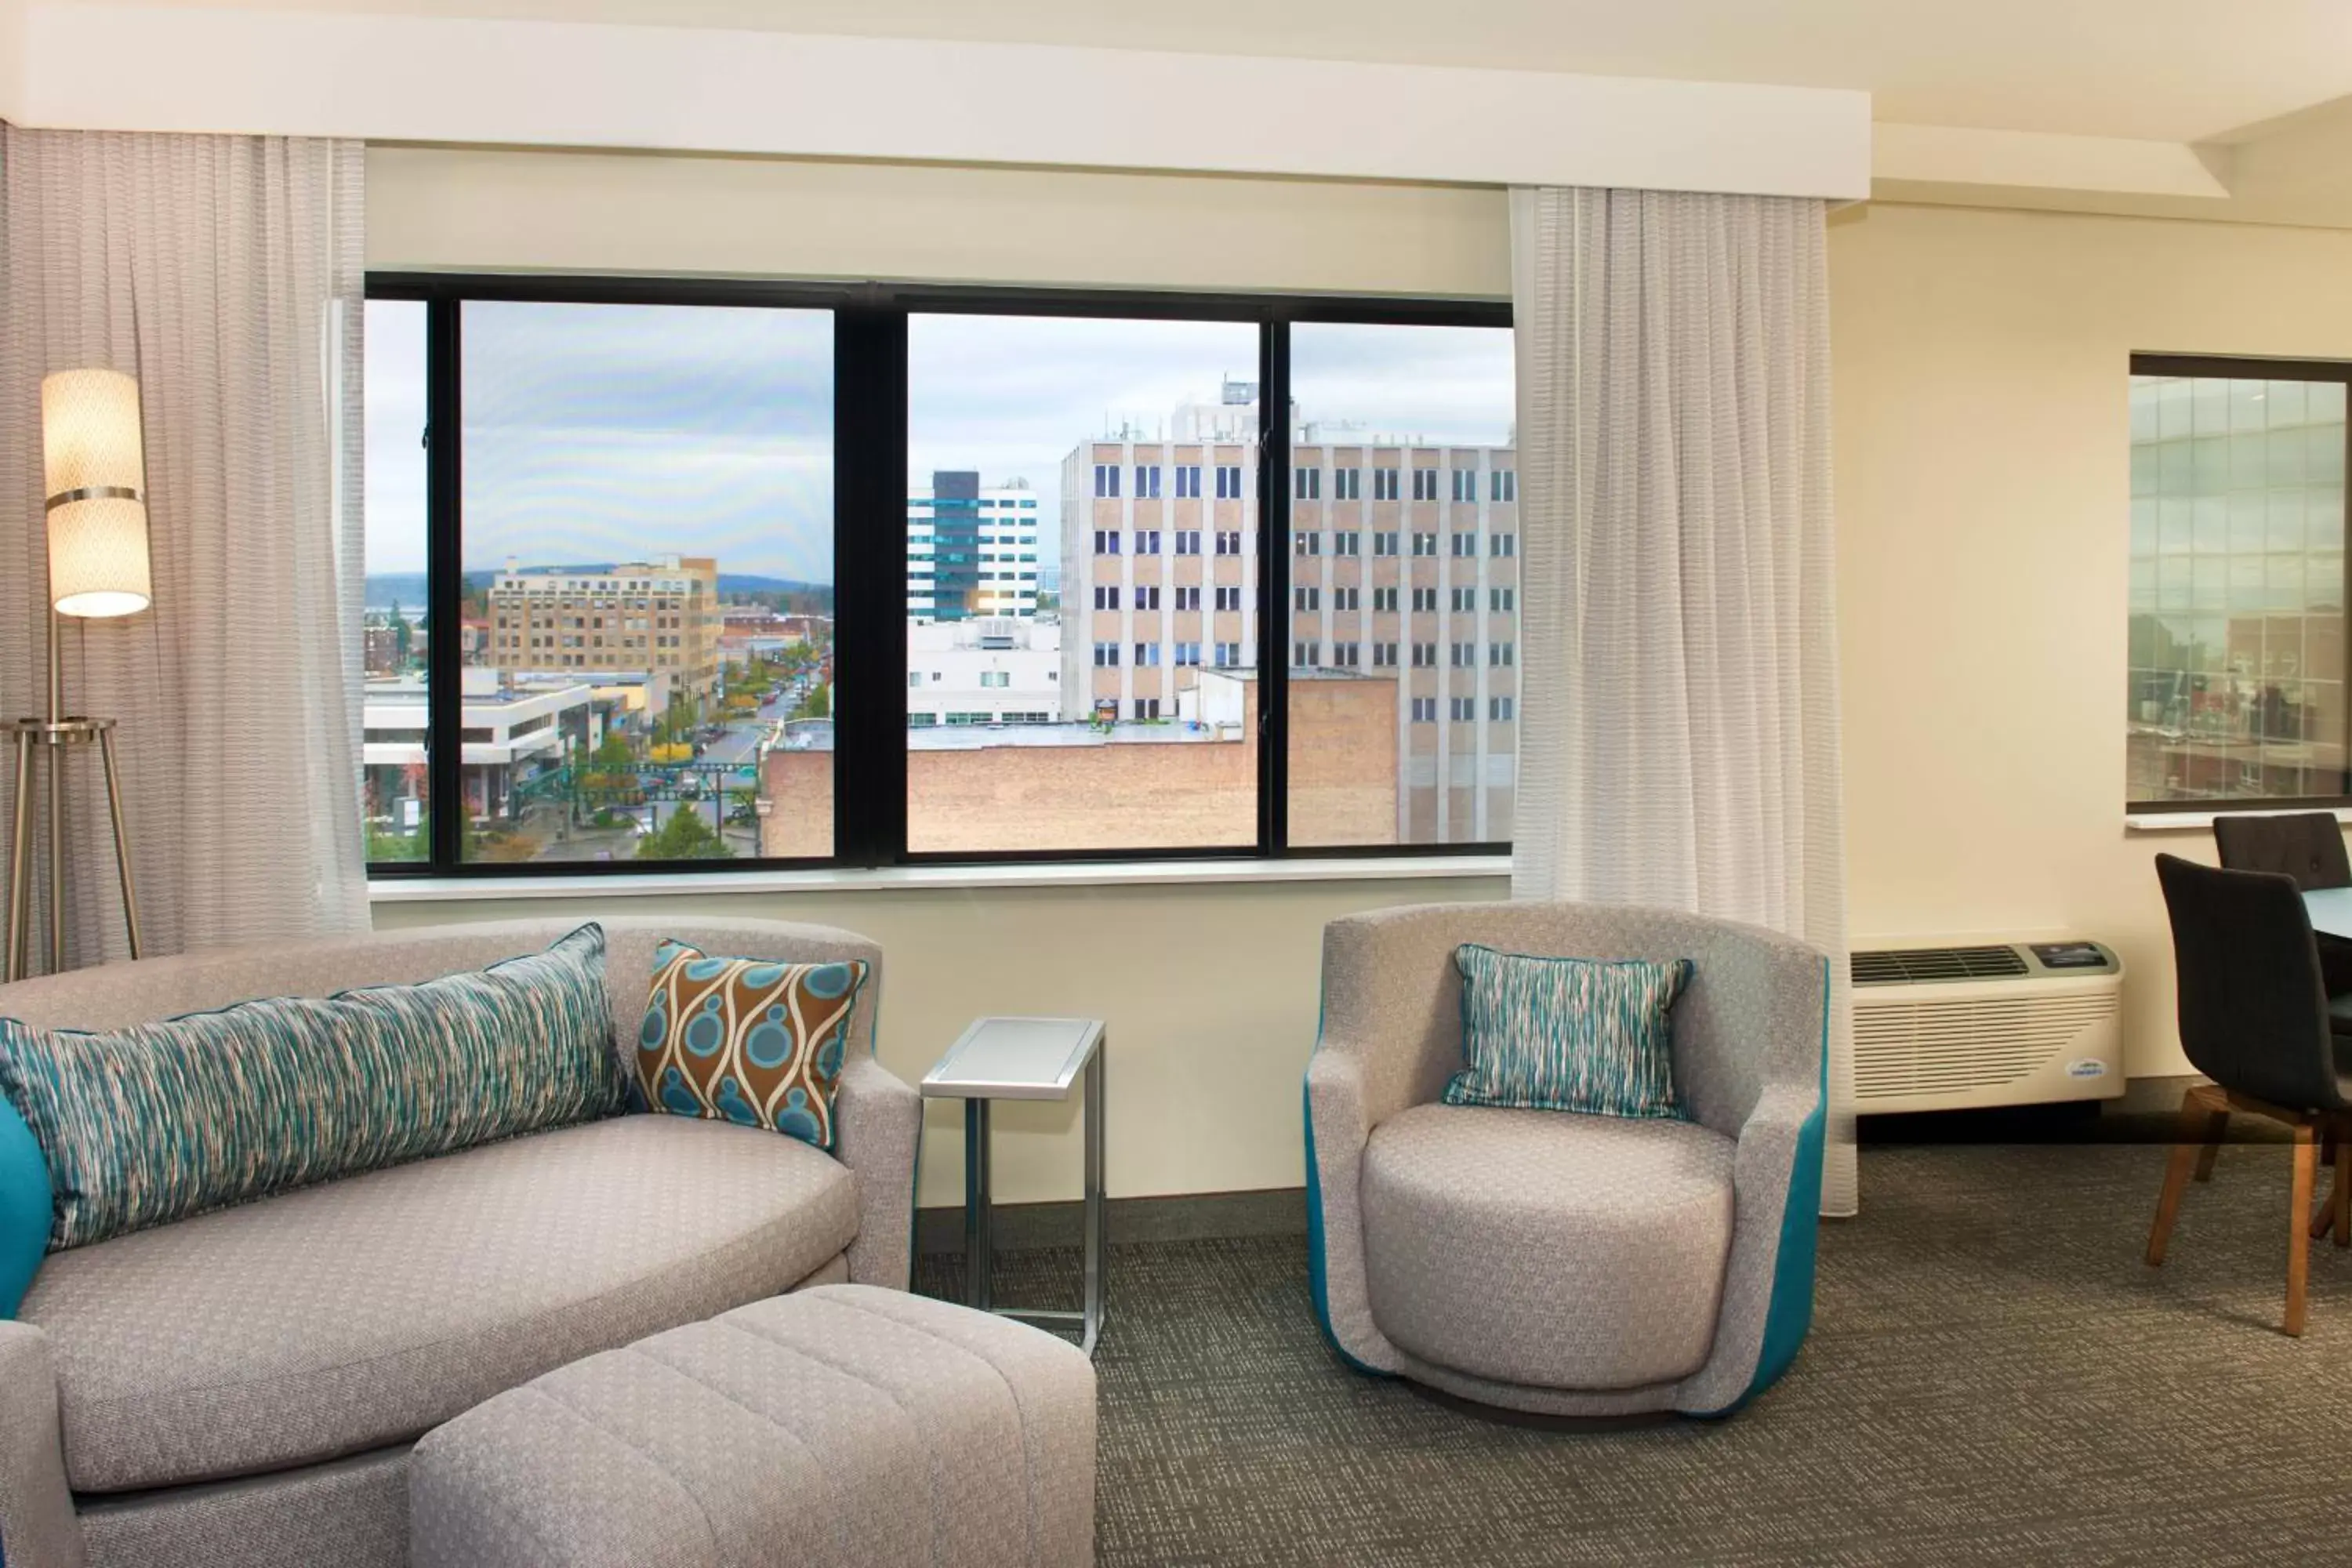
pixel 1953 1046
pixel 1919 966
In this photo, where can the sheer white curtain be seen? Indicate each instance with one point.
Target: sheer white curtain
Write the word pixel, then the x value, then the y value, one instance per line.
pixel 1679 719
pixel 226 274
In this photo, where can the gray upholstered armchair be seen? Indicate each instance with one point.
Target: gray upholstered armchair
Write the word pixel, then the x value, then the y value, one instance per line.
pixel 1553 1263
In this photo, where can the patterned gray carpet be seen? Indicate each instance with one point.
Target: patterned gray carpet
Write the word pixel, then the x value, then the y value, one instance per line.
pixel 1993 1377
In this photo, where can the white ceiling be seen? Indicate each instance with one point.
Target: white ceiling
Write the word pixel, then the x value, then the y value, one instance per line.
pixel 2166 70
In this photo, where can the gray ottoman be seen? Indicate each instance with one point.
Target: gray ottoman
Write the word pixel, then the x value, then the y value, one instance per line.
pixel 844 1425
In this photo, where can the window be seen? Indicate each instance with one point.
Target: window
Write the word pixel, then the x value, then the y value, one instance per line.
pixel 1464 655
pixel 2237 599
pixel 1466 485
pixel 1502 600
pixel 1504 544
pixel 1499 655
pixel 1306 598
pixel 1424 709
pixel 1464 600
pixel 1506 485
pixel 1307 542
pixel 635 548
pixel 1424 601
pixel 1464 709
pixel 1498 709
pixel 1465 545
pixel 605 583
pixel 395 701
pixel 1424 544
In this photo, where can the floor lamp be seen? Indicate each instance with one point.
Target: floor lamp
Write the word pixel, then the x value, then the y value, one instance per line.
pixel 94 464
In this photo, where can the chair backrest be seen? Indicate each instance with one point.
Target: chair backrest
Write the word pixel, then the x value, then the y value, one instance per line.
pixel 2253 1013
pixel 2306 844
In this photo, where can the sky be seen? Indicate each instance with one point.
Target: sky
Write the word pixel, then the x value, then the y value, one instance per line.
pixel 600 432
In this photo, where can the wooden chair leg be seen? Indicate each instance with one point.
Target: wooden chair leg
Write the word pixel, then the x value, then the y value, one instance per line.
pixel 2216 1126
pixel 2194 1118
pixel 2298 1239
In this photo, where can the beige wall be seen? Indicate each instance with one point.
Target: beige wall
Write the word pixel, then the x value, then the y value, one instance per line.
pixel 1210 993
pixel 1982 470
pixel 1983 488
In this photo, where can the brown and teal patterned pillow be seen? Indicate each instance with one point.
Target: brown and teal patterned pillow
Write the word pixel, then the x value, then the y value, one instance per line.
pixel 160 1122
pixel 746 1040
pixel 1568 1034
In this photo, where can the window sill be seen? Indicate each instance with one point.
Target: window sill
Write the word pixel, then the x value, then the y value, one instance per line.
pixel 1051 874
pixel 2202 821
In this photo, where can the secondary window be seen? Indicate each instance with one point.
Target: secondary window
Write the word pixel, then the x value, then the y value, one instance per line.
pixel 2237 650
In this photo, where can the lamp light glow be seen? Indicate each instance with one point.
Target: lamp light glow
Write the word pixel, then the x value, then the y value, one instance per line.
pixel 94 464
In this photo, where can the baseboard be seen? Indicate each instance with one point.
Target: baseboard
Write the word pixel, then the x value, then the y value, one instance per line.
pixel 1185 1216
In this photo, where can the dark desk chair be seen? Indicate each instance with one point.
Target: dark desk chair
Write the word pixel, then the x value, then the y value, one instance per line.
pixel 2308 846
pixel 2255 1019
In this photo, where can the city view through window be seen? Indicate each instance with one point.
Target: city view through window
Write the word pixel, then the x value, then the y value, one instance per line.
pixel 647 635
pixel 2237 589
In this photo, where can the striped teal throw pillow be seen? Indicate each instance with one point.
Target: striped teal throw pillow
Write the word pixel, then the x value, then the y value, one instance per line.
pixel 159 1121
pixel 1567 1033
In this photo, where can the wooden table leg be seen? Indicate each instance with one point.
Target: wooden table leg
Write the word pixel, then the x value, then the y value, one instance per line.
pixel 2298 1239
pixel 2194 1118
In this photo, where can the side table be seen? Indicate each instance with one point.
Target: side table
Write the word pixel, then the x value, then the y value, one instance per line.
pixel 1024 1058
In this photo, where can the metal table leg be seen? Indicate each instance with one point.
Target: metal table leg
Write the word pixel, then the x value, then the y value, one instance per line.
pixel 1098 1206
pixel 978 1242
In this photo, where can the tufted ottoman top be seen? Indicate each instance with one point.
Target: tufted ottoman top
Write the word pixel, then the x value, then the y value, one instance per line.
pixel 844 1425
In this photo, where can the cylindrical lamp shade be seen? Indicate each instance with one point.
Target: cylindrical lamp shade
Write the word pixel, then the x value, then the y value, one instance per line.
pixel 94 462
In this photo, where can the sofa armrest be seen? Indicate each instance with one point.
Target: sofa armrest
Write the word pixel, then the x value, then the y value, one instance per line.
pixel 37 1528
pixel 1338 1124
pixel 878 1121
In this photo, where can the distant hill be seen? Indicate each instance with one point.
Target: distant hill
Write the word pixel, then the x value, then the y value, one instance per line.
pixel 406 589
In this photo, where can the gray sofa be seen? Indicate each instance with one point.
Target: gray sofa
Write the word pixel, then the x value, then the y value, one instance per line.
pixel 241 1389
pixel 1554 1264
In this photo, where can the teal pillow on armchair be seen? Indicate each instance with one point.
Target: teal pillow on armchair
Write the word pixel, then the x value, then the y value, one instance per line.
pixel 24 1200
pixel 1567 1033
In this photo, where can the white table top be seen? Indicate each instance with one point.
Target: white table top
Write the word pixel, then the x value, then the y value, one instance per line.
pixel 1015 1058
pixel 2331 910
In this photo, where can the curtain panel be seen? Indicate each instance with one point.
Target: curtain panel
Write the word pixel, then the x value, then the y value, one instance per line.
pixel 226 273
pixel 1679 717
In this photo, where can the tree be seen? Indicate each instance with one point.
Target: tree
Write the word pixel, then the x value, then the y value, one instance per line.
pixel 613 755
pixel 402 635
pixel 684 837
pixel 819 704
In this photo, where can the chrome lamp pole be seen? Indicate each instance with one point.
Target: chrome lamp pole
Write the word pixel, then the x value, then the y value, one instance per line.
pixel 94 462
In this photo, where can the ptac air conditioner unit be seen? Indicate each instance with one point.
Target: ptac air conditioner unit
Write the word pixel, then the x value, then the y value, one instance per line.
pixel 1951 1028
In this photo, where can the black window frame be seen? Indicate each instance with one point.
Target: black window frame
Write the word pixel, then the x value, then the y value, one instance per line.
pixel 2245 367
pixel 870 555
